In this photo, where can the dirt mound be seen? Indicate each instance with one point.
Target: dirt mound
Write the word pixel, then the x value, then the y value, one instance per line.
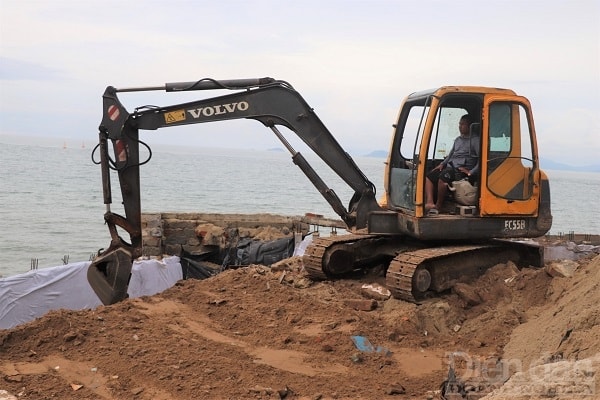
pixel 270 333
pixel 557 352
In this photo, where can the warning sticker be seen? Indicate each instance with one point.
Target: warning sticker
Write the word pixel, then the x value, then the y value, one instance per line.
pixel 113 112
pixel 174 116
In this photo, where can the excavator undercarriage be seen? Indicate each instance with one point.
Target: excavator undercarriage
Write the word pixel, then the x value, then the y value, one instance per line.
pixel 415 270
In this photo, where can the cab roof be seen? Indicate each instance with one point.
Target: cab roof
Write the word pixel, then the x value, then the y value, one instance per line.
pixel 438 92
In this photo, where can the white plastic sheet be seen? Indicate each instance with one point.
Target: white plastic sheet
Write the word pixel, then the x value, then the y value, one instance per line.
pixel 150 277
pixel 30 295
pixel 301 248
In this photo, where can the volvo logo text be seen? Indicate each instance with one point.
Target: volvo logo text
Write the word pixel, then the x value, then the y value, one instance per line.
pixel 218 109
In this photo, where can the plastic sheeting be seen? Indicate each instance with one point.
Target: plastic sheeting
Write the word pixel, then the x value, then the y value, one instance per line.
pixel 301 247
pixel 31 295
pixel 149 277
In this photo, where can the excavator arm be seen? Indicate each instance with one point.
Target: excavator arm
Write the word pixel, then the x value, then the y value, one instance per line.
pixel 271 102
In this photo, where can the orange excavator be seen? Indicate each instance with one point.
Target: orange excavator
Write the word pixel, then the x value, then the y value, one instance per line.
pixel 481 223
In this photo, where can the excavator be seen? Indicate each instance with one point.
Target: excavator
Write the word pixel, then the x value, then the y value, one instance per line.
pixel 490 222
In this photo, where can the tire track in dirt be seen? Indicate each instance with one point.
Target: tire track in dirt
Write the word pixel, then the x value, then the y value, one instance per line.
pixel 188 321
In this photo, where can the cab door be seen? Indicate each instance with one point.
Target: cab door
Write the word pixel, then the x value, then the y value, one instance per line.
pixel 510 175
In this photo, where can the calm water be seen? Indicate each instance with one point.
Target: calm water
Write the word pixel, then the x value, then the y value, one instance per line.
pixel 52 207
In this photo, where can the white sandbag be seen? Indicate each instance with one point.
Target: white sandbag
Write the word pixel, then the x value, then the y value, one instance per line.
pixel 149 277
pixel 30 295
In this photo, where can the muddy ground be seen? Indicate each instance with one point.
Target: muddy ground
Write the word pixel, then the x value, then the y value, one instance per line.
pixel 270 333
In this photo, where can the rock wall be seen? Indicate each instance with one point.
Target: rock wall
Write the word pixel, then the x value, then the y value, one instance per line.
pixel 171 233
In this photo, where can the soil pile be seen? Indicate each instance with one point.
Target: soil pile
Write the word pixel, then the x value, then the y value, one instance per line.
pixel 556 353
pixel 270 333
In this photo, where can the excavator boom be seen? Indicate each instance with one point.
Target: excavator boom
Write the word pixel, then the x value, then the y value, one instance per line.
pixel 273 103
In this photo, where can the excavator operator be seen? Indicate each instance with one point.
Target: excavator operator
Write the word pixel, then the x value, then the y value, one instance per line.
pixel 462 162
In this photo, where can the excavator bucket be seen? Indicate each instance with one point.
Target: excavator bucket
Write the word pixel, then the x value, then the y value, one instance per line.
pixel 109 275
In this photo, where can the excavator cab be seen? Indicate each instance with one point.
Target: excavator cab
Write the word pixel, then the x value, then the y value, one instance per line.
pixel 512 192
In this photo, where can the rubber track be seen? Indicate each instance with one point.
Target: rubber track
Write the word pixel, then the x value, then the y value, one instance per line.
pixel 402 268
pixel 313 256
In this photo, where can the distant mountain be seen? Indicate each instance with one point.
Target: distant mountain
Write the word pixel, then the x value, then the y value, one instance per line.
pixel 549 164
pixel 545 164
pixel 377 154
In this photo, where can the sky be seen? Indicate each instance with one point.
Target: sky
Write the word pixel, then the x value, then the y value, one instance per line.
pixel 352 61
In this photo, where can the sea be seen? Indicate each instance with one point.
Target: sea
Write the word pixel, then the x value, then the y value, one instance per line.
pixel 51 202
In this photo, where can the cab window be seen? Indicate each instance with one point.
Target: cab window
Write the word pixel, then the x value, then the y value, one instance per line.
pixel 510 156
pixel 445 130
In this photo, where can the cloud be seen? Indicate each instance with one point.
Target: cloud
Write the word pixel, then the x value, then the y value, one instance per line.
pixel 16 70
pixel 353 61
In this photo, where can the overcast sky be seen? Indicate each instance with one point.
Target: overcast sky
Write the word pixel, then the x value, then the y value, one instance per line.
pixel 352 61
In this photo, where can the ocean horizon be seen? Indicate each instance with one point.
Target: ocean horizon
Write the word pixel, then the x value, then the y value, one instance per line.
pixel 52 203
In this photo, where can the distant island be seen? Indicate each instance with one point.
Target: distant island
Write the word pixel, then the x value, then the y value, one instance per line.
pixel 549 164
pixel 377 154
pixel 545 164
